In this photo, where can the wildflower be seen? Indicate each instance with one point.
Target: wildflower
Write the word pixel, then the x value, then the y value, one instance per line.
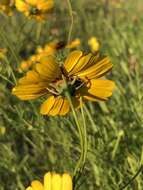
pixel 73 44
pixel 53 181
pixel 79 76
pixel 34 8
pixel 94 44
pixel 2 130
pixel 6 6
pixel 27 64
pixel 2 52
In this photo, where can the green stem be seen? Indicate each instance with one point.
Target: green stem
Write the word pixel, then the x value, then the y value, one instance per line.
pixel 84 130
pixel 81 158
pixel 38 32
pixel 91 119
pixel 72 19
pixel 12 73
pixel 9 45
pixel 79 164
pixel 132 179
pixel 4 78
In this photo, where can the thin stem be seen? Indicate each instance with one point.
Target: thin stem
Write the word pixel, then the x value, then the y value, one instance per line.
pixel 132 179
pixel 72 19
pixel 38 32
pixel 9 45
pixel 12 73
pixel 80 161
pixel 4 78
pixel 90 118
pixel 84 130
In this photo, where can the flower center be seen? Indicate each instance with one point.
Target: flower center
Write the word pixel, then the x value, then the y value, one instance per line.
pixel 33 10
pixel 61 87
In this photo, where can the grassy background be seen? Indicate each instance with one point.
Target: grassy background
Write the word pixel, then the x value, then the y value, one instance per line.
pixel 31 144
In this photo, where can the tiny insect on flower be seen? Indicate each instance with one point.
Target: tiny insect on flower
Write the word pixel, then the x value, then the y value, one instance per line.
pixel 80 76
pixel 53 181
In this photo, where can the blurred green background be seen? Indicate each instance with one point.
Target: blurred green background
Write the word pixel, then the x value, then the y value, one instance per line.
pixel 31 144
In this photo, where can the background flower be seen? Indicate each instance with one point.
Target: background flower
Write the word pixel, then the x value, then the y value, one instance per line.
pixel 53 181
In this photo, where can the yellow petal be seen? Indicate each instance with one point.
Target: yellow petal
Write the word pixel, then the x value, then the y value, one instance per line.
pixel 98 90
pixel 32 2
pixel 57 106
pixel 48 181
pixel 65 107
pixel 45 5
pixel 47 105
pixel 72 60
pixel 37 185
pixel 30 78
pixel 48 68
pixel 97 70
pixel 84 60
pixel 21 5
pixel 29 188
pixel 32 91
pixel 56 182
pixel 66 182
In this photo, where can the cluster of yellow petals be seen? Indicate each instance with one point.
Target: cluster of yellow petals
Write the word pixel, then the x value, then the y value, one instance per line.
pixel 34 8
pixel 83 74
pixel 6 6
pixel 53 181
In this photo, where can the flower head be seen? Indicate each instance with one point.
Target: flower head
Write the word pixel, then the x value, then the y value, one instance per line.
pixel 6 6
pixel 94 44
pixel 34 8
pixel 53 181
pixel 79 76
pixel 3 51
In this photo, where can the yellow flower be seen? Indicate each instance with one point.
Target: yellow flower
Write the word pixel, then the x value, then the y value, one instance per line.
pixel 2 52
pixel 94 44
pixel 82 73
pixel 6 6
pixel 34 8
pixel 53 181
pixel 27 64
pixel 73 44
pixel 50 48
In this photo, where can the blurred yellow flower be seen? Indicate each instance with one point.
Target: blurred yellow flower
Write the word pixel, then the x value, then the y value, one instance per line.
pixel 53 181
pixel 49 49
pixel 2 52
pixel 2 130
pixel 6 6
pixel 94 44
pixel 34 8
pixel 82 73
